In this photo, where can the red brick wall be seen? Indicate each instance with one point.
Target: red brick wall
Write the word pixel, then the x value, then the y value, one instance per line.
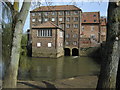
pixel 87 31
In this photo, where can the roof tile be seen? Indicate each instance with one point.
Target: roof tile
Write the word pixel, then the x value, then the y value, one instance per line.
pixel 57 8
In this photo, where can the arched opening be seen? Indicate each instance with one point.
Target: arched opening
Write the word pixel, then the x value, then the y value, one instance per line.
pixel 67 52
pixel 75 52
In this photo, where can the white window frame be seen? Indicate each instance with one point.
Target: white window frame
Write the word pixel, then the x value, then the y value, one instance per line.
pixel 68 19
pixel 75 43
pixel 38 44
pixel 67 12
pixel 76 19
pixel 92 28
pixel 49 45
pixel 33 14
pixel 67 25
pixel 61 26
pixel 61 34
pixel 67 35
pixel 53 13
pixel 60 19
pixel 75 36
pixel 60 13
pixel 92 35
pixel 53 19
pixel 67 43
pixel 75 12
pixel 46 19
pixel 75 25
pixel 33 20
pixel 82 28
pixel 39 20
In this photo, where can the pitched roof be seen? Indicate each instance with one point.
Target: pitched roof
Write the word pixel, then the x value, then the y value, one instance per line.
pixel 57 8
pixel 47 24
pixel 103 21
pixel 90 17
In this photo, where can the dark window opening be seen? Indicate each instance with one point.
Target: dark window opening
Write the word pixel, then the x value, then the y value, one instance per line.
pixel 67 52
pixel 94 20
pixel 75 52
pixel 94 15
pixel 84 20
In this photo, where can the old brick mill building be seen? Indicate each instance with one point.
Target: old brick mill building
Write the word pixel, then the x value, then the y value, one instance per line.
pixel 48 23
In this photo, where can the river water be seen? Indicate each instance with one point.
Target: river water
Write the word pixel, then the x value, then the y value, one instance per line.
pixel 53 69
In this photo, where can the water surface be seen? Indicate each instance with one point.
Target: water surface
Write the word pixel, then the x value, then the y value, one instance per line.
pixel 52 69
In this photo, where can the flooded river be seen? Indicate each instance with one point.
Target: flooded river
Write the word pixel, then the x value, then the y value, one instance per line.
pixel 53 69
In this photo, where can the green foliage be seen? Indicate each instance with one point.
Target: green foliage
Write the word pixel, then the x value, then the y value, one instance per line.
pixel 24 44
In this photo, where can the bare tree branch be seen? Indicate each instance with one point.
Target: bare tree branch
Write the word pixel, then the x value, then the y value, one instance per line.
pixel 9 4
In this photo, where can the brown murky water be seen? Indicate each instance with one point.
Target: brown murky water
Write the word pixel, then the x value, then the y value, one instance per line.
pixel 53 69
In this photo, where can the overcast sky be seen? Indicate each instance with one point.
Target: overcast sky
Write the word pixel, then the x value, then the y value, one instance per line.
pixel 85 6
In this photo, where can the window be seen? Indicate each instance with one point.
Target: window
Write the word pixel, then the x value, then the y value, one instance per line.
pixel 60 26
pixel 67 12
pixel 94 20
pixel 46 13
pixel 39 20
pixel 82 28
pixel 75 12
pixel 33 14
pixel 53 13
pixel 60 19
pixel 68 19
pixel 49 44
pixel 94 15
pixel 39 14
pixel 53 19
pixel 44 33
pixel 92 28
pixel 75 36
pixel 38 44
pixel 84 20
pixel 74 43
pixel 67 43
pixel 67 25
pixel 61 13
pixel 67 35
pixel 75 18
pixel 92 36
pixel 61 34
pixel 33 20
pixel 75 25
pixel 46 19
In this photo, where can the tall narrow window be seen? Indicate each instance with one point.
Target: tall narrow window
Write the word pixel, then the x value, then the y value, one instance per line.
pixel 67 12
pixel 46 19
pixel 92 28
pixel 53 19
pixel 44 33
pixel 68 26
pixel 67 36
pixel 75 25
pixel 53 13
pixel 68 19
pixel 60 19
pixel 82 28
pixel 75 12
pixel 33 20
pixel 60 13
pixel 33 14
pixel 75 18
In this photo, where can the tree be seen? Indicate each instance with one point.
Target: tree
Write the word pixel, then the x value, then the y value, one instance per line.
pixel 19 18
pixel 109 67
